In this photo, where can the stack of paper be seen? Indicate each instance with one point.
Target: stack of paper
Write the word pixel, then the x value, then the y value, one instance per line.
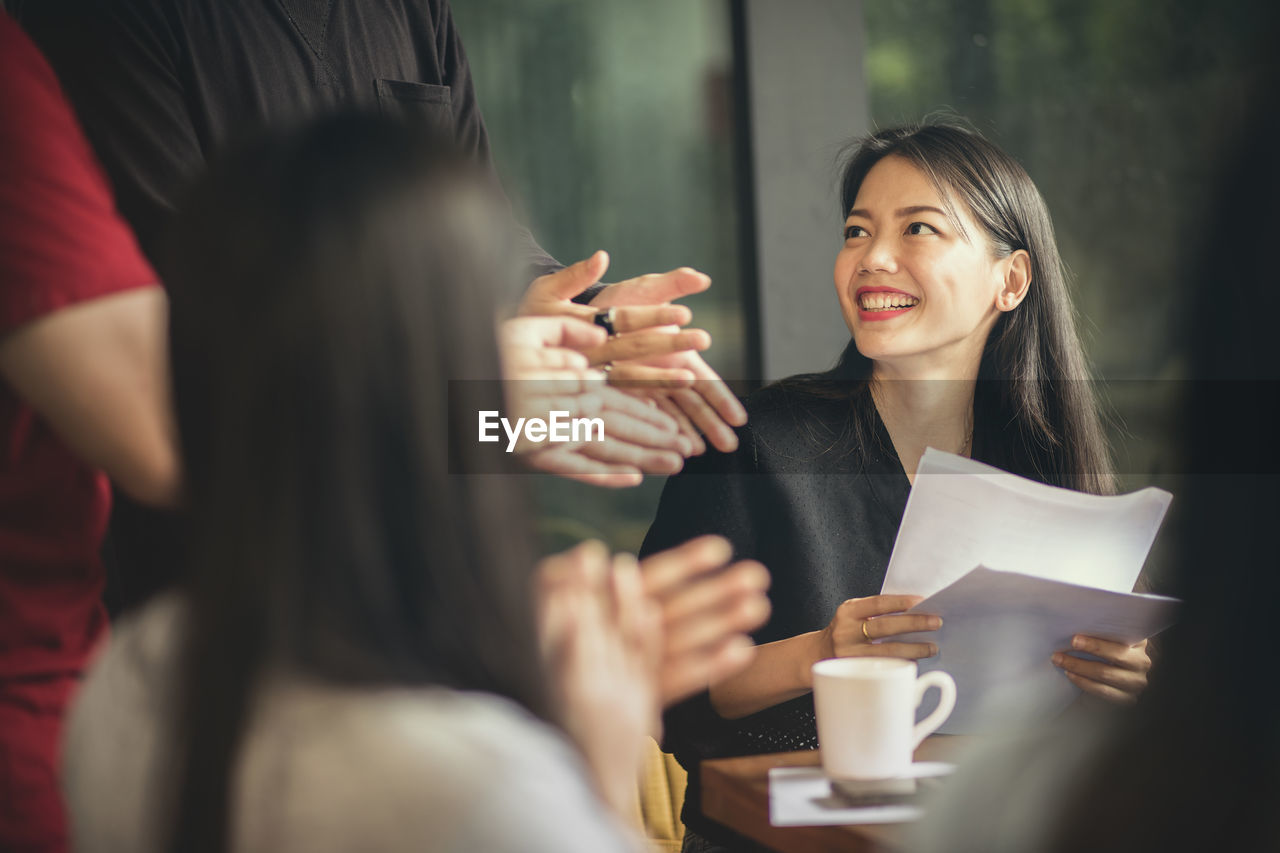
pixel 1015 568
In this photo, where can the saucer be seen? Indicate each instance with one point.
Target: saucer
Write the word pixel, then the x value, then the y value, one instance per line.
pixel 890 789
pixel 805 796
pixel 917 770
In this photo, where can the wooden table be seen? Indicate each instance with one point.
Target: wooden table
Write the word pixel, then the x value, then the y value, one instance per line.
pixel 735 792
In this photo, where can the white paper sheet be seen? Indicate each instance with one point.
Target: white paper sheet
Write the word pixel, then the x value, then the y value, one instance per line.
pixel 963 514
pixel 1065 562
pixel 801 796
pixel 1000 630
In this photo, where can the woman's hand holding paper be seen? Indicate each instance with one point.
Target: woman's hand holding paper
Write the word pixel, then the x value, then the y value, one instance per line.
pixel 1119 676
pixel 783 669
pixel 866 626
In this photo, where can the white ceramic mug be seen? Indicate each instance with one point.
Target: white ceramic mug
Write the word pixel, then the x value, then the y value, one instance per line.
pixel 866 714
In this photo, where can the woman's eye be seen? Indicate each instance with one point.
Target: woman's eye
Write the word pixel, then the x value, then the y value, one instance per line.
pixel 851 231
pixel 918 228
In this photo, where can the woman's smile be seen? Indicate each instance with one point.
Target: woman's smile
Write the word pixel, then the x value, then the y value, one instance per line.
pixel 906 245
pixel 882 303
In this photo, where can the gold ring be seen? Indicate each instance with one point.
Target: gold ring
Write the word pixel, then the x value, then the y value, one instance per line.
pixel 864 630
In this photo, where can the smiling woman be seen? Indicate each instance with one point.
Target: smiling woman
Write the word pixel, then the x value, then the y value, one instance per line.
pixel 962 338
pixel 942 214
pixel 910 251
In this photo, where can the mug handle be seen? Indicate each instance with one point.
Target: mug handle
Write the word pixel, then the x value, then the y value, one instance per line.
pixel 946 704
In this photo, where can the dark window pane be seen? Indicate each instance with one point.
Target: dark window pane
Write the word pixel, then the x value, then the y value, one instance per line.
pixel 611 127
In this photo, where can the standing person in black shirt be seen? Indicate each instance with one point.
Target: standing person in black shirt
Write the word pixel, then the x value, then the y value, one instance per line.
pixel 163 86
pixel 962 339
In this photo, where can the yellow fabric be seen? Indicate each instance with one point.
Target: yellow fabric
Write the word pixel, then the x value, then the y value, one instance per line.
pixel 660 796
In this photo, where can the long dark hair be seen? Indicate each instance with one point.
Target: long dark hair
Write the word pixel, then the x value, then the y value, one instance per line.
pixel 1035 412
pixel 326 285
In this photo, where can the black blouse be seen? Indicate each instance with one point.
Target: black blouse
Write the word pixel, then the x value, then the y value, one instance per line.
pixel 821 509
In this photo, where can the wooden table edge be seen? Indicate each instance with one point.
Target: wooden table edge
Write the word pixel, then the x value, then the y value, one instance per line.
pixel 735 793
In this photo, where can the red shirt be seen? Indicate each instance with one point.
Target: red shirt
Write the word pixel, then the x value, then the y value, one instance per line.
pixel 61 242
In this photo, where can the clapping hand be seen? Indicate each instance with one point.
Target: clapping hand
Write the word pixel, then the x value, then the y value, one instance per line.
pixel 546 370
pixel 623 639
pixel 601 636
pixel 665 359
pixel 707 611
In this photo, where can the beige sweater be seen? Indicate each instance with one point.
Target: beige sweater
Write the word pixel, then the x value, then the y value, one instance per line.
pixel 329 769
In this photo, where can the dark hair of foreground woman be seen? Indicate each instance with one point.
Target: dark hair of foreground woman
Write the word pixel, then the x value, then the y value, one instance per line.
pixel 326 286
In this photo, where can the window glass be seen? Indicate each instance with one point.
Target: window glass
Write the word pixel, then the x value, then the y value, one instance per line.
pixel 611 128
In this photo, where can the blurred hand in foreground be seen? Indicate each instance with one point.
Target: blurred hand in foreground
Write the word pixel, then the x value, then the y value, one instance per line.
pixel 602 639
pixel 696 614
pixel 707 609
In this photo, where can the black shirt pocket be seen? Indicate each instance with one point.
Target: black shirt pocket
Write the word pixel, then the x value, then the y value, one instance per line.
pixel 419 103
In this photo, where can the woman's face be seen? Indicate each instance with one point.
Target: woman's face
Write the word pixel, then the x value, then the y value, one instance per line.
pixel 919 297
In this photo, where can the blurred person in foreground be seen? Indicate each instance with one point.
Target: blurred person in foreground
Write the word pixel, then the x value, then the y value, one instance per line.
pixel 84 396
pixel 361 655
pixel 1195 765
